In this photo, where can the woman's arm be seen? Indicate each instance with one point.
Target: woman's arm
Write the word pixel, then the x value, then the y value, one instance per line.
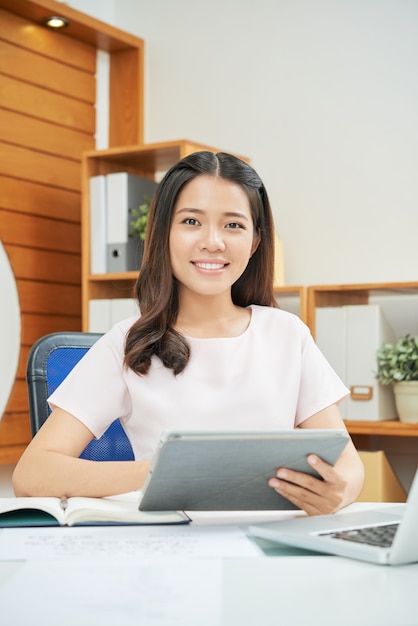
pixel 341 484
pixel 50 465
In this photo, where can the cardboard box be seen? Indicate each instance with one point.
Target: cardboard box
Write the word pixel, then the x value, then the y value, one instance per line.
pixel 381 483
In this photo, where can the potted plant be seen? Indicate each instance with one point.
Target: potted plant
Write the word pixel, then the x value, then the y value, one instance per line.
pixel 397 365
pixel 137 229
pixel 139 219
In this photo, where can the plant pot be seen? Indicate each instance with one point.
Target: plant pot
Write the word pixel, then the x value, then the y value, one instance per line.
pixel 406 400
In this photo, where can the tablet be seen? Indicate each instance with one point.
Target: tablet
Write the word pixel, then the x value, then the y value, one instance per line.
pixel 228 471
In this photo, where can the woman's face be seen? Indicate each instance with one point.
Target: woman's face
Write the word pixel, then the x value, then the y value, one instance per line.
pixel 212 235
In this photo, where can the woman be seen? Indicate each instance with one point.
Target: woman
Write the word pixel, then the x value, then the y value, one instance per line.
pixel 210 350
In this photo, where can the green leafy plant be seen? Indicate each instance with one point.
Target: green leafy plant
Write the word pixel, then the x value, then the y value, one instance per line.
pixel 398 362
pixel 139 219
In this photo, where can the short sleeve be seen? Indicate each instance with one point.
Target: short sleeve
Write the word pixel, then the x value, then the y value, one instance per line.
pixel 95 391
pixel 320 386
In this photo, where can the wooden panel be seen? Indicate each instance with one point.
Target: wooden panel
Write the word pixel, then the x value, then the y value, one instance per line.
pixel 43 265
pixel 35 166
pixel 340 298
pixel 23 359
pixel 39 232
pixel 15 428
pixel 47 119
pixel 126 106
pixel 117 286
pixel 35 326
pixel 361 442
pixel 86 29
pixel 38 199
pixel 47 42
pixel 325 298
pixel 11 454
pixel 44 136
pixel 18 401
pixel 37 297
pixel 53 107
pixel 52 75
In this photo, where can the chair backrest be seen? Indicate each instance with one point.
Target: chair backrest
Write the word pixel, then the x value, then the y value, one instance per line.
pixel 50 359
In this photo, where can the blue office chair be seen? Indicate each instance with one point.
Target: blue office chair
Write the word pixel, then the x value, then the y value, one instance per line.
pixel 50 359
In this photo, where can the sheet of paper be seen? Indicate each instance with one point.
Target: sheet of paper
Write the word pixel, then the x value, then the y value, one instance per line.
pixel 155 592
pixel 128 542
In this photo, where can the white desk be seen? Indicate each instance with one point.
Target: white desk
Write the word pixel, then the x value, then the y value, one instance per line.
pixel 276 591
pixel 285 588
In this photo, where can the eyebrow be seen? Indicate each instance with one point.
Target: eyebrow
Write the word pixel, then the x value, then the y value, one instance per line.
pixel 237 214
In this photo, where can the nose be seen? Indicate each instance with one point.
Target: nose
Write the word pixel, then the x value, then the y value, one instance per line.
pixel 213 240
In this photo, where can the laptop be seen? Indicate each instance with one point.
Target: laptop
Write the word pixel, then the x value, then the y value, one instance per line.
pixel 386 535
pixel 229 470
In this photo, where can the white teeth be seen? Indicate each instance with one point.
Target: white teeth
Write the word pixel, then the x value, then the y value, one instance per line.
pixel 210 266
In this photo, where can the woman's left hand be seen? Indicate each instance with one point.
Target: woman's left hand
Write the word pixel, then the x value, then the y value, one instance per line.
pixel 341 484
pixel 312 495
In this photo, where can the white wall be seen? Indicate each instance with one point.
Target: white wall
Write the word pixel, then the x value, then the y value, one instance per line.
pixel 9 329
pixel 322 95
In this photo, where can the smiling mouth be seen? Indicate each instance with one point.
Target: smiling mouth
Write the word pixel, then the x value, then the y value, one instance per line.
pixel 210 266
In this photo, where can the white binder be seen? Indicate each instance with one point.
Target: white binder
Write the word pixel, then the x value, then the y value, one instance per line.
pixel 124 191
pixel 106 312
pixel 349 337
pixel 98 232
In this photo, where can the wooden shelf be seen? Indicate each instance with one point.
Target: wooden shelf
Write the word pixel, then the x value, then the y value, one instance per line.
pixel 340 295
pixel 113 276
pixel 398 302
pixel 300 293
pixel 393 428
pixel 111 285
pixel 148 160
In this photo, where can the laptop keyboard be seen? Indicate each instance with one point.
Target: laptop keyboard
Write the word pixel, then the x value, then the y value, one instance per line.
pixel 381 536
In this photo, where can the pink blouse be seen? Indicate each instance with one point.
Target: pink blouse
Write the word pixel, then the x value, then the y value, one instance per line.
pixel 273 376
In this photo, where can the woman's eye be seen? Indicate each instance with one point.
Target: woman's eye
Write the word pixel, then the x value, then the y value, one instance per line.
pixel 191 221
pixel 234 225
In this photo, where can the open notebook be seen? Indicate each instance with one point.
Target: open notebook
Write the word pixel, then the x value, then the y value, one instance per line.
pixel 386 535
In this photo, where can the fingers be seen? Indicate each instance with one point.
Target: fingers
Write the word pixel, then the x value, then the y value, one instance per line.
pixel 306 481
pixel 305 497
pixel 315 495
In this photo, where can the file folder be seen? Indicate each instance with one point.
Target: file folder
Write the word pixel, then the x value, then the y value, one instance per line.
pixel 98 232
pixel 124 191
pixel 349 337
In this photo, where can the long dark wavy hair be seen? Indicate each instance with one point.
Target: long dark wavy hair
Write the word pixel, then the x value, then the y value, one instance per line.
pixel 156 288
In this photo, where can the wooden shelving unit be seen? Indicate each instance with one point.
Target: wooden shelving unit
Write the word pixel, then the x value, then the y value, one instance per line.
pixel 340 295
pixel 47 122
